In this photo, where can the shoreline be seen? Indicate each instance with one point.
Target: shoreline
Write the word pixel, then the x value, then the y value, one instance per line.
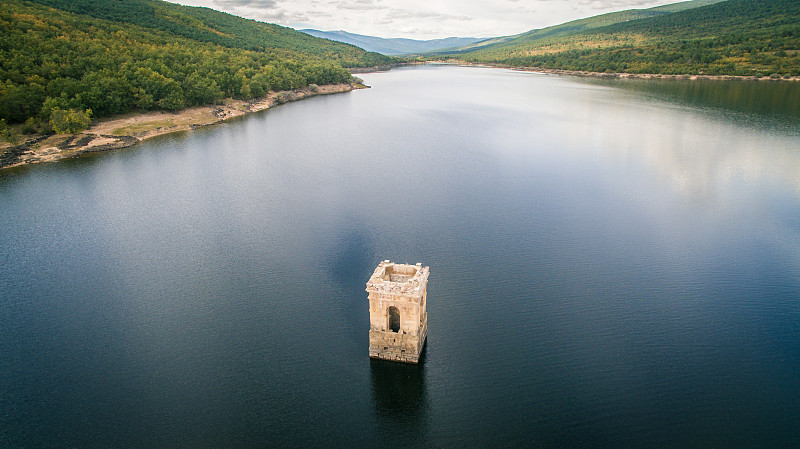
pixel 619 75
pixel 384 68
pixel 124 131
pixel 127 130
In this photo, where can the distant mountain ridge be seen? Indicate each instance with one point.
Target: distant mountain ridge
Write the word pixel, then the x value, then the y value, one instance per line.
pixel 394 46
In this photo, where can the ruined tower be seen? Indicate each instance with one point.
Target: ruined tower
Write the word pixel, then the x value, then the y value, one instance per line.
pixel 398 319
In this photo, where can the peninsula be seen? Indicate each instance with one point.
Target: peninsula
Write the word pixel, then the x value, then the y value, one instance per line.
pixel 79 77
pixel 126 130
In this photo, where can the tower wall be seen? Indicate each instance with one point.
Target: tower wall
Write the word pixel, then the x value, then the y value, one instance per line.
pixel 403 287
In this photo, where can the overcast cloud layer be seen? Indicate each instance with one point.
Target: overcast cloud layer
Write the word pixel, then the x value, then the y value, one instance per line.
pixel 421 19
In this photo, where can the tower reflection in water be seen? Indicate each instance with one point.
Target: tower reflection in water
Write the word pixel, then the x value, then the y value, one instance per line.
pixel 399 398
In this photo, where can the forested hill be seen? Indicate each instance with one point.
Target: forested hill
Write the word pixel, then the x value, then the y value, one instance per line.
pixel 590 23
pixel 208 25
pixel 732 37
pixel 112 56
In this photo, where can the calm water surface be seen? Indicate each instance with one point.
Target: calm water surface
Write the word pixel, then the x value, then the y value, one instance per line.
pixel 611 266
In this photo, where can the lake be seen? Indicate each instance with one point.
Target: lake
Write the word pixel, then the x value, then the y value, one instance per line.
pixel 613 264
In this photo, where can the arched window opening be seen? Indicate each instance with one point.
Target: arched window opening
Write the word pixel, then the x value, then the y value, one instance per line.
pixel 394 319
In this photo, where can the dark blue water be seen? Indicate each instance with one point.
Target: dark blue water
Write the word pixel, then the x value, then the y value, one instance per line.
pixel 610 267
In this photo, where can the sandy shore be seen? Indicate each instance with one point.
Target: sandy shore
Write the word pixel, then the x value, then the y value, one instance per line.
pixel 127 130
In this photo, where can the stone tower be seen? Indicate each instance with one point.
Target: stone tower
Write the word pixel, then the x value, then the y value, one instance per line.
pixel 398 318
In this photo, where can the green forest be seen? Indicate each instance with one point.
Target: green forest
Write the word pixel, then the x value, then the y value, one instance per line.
pixel 63 62
pixel 733 37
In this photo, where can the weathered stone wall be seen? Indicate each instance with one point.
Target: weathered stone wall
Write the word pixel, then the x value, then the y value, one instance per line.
pixel 403 287
pixel 394 346
pixel 379 312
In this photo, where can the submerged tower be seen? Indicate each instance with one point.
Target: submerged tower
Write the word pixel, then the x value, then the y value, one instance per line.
pixel 398 318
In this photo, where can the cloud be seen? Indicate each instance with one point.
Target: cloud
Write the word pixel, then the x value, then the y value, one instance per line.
pixel 320 14
pixel 422 19
pixel 255 4
pixel 282 16
pixel 278 16
pixel 616 4
pixel 360 5
pixel 401 15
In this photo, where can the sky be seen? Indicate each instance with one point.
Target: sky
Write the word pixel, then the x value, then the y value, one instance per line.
pixel 421 19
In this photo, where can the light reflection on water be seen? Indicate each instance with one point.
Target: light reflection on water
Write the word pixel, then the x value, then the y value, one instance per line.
pixel 609 266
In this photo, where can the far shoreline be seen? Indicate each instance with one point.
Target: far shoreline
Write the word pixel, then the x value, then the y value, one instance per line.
pixel 127 130
pixel 618 75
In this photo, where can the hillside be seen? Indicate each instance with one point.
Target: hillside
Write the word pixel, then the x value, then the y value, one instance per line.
pixel 394 46
pixel 208 25
pixel 111 57
pixel 733 37
pixel 590 23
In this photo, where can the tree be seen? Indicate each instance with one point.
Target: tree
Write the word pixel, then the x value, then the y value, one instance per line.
pixel 7 133
pixel 174 100
pixel 70 121
pixel 201 90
